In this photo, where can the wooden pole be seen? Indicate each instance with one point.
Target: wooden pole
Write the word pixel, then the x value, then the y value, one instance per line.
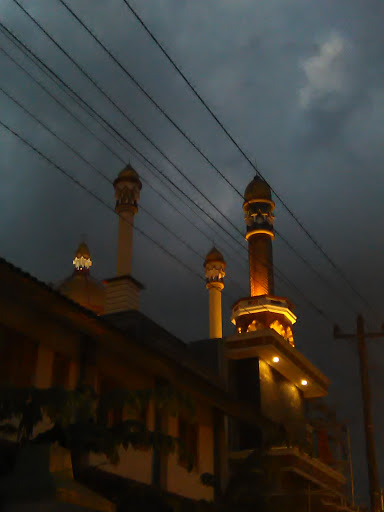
pixel 361 335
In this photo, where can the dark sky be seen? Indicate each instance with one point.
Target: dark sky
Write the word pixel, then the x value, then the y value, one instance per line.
pixel 298 83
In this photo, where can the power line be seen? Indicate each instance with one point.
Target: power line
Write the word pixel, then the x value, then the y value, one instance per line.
pixel 241 150
pixel 63 106
pixel 100 173
pixel 118 134
pixel 95 196
pixel 93 167
pixel 128 118
pixel 280 274
pixel 110 54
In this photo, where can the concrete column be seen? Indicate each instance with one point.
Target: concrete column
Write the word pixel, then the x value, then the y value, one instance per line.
pixel 215 310
pixel 214 272
pixel 261 265
pixel 125 242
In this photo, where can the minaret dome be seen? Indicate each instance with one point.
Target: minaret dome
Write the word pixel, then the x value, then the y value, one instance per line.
pixel 257 189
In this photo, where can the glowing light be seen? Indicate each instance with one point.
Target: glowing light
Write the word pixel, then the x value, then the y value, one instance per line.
pixel 259 232
pixel 81 262
pixel 304 382
pixel 276 359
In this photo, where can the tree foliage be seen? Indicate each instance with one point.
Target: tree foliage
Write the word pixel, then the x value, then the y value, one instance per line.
pixel 78 419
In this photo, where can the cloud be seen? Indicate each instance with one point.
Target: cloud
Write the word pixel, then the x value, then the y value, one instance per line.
pixel 326 74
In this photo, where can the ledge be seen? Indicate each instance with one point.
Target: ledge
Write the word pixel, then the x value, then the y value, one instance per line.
pixel 267 344
pixel 291 459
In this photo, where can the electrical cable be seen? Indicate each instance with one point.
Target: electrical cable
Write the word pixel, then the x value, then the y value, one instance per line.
pixel 166 200
pixel 288 244
pixel 280 274
pixel 95 196
pixel 124 114
pixel 118 134
pixel 241 150
pixel 101 174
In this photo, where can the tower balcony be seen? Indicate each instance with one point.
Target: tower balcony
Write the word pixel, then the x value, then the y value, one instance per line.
pixel 264 303
pixel 278 353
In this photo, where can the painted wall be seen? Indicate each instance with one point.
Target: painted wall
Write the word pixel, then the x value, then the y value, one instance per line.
pixel 179 480
pixel 134 464
pixel 280 400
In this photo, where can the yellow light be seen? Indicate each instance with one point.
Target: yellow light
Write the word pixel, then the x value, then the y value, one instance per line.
pixel 276 359
pixel 304 382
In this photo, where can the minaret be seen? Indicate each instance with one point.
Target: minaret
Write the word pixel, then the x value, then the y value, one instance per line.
pixel 123 291
pixel 262 310
pixel 215 272
pixel 127 193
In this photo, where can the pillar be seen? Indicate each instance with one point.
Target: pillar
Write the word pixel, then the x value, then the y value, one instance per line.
pixel 214 272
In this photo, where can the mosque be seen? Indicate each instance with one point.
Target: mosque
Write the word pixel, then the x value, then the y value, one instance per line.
pixel 254 438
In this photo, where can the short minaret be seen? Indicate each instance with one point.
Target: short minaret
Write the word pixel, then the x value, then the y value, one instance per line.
pixel 127 193
pixel 215 272
pixel 123 291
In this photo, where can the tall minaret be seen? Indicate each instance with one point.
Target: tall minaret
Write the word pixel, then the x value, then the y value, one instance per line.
pixel 127 192
pixel 123 291
pixel 215 272
pixel 262 310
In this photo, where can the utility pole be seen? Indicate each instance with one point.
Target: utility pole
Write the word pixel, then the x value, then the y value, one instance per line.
pixel 361 335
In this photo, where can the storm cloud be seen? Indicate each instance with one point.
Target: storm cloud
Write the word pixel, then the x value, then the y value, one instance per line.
pixel 300 86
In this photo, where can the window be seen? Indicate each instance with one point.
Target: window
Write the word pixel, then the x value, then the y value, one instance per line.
pixel 60 371
pixel 188 435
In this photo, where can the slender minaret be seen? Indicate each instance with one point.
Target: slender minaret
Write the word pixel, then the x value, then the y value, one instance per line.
pixel 127 193
pixel 123 291
pixel 215 272
pixel 262 310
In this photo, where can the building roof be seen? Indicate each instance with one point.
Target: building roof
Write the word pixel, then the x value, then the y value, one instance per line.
pixel 153 349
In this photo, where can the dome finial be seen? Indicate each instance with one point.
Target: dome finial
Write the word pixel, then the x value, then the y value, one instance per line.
pixel 82 260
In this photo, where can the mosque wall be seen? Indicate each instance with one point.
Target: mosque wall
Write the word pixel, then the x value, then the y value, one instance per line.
pixel 280 400
pixel 179 479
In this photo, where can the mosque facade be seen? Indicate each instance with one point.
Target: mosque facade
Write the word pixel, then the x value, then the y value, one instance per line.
pixel 254 442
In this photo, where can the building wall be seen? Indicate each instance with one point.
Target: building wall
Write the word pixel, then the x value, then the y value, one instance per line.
pixel 280 400
pixel 134 464
pixel 179 480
